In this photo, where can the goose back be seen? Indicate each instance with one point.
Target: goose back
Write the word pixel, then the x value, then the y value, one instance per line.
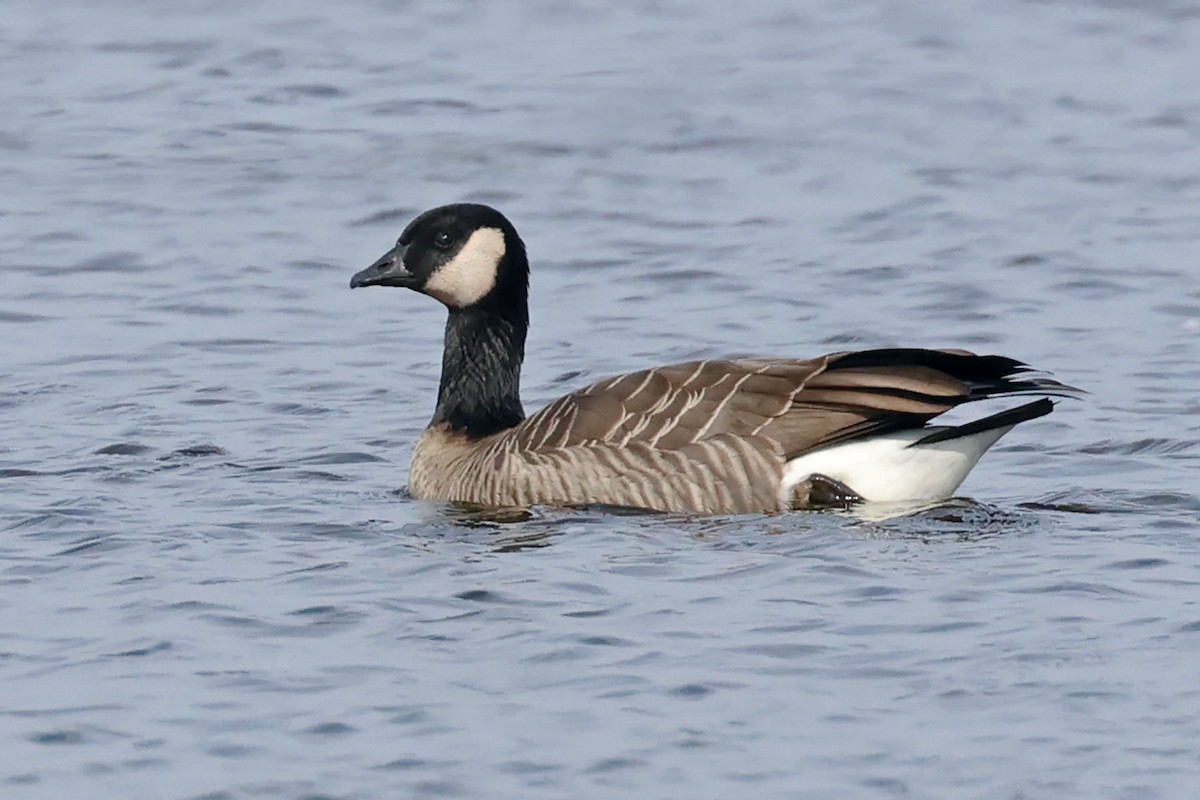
pixel 710 436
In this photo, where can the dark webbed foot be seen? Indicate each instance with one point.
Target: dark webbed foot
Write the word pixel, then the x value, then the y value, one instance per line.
pixel 822 492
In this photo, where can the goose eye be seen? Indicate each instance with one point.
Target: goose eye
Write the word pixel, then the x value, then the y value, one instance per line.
pixel 442 240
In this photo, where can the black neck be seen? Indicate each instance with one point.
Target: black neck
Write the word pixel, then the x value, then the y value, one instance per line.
pixel 480 392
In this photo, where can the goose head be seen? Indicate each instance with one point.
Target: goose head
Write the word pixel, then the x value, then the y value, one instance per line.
pixel 464 255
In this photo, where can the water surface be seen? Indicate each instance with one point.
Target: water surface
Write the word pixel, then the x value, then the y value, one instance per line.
pixel 213 586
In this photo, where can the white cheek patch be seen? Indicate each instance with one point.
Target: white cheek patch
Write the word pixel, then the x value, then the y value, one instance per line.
pixel 471 274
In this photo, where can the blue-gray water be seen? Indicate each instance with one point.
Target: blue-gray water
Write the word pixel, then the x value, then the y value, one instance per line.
pixel 210 586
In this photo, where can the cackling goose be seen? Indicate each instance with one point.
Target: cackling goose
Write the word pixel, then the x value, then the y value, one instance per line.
pixel 713 436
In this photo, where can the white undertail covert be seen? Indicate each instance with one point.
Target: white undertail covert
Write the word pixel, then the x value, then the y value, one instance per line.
pixel 891 468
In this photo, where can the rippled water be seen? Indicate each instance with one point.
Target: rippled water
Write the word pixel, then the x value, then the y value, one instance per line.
pixel 212 586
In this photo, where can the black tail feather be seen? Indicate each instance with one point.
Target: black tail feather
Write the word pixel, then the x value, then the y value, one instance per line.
pixel 1038 408
pixel 986 376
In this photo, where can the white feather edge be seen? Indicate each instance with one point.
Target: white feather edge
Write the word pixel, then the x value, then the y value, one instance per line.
pixel 885 469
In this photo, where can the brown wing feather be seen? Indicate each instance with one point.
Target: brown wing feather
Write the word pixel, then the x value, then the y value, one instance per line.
pixel 666 407
pixel 799 404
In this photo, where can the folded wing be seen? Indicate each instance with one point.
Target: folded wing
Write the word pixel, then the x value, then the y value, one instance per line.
pixel 797 405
